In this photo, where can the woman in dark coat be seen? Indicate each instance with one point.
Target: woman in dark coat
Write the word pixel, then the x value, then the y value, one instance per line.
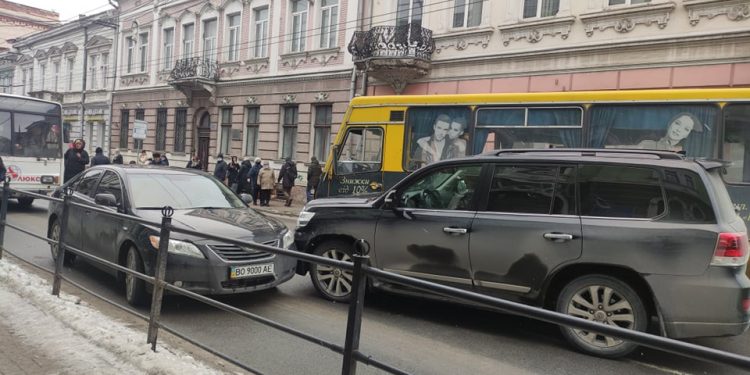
pixel 233 173
pixel 76 160
pixel 243 184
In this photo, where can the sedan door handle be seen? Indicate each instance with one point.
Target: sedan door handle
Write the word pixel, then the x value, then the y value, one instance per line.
pixel 455 230
pixel 558 236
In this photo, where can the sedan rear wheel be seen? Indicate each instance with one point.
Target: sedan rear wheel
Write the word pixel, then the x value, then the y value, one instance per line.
pixel 135 288
pixel 605 300
pixel 333 283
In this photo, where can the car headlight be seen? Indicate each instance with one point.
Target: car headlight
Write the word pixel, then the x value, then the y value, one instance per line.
pixel 288 239
pixel 304 218
pixel 178 247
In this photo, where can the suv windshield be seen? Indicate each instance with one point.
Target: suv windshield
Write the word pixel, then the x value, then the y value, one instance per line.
pixel 180 191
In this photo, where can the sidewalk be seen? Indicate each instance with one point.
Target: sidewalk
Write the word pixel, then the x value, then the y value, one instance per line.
pixel 277 207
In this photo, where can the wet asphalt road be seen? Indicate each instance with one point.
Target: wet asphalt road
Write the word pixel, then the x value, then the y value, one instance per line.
pixel 416 335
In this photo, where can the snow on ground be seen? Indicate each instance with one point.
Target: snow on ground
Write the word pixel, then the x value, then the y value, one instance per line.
pixel 79 338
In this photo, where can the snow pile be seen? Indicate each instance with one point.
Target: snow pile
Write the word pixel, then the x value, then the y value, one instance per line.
pixel 79 338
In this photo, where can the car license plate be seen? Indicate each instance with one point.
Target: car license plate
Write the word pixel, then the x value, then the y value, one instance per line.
pixel 238 272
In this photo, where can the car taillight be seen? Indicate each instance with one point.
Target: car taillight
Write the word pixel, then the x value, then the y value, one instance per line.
pixel 731 250
pixel 746 305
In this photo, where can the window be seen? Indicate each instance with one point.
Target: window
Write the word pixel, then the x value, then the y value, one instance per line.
pixel 736 145
pixel 675 127
pixel 140 114
pixel 532 190
pixel 467 13
pixel 143 54
pixel 168 47
pixel 329 19
pixel 299 25
pixel 361 152
pixel 180 126
pixel 209 39
pixel 43 73
pixel 110 184
pixel 289 137
pixel 435 133
pixel 6 83
pixel 188 39
pixel 31 80
pixel 409 12
pixel 105 69
pixel 24 80
pixel 628 2
pixel 450 188
pixel 261 32
pixel 527 127
pixel 88 182
pixel 161 129
pixel 252 123
pixel 233 22
pixel 56 72
pixel 92 72
pixel 71 65
pixel 124 128
pixel 226 130
pixel 540 8
pixel 323 120
pixel 131 54
pixel 31 135
pixel 619 191
pixel 687 198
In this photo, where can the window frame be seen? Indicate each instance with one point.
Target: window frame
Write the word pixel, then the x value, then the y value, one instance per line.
pixel 233 47
pixel 105 69
pixel 140 114
pixel 478 195
pixel 168 46
pixel 188 44
pixel 161 130
pixel 121 199
pixel 93 59
pixel 297 35
pixel 627 3
pixel 291 128
pixel 124 128
pixel 71 66
pixel 130 54
pixel 322 155
pixel 209 39
pixel 337 158
pixel 659 171
pixel 143 52
pixel 42 75
pixel 329 30
pixel 252 125
pixel 539 6
pixel 260 49
pixel 225 135
pixel 467 8
pixel 180 129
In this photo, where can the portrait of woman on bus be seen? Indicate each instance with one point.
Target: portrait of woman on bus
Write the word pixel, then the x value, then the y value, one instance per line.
pixel 679 128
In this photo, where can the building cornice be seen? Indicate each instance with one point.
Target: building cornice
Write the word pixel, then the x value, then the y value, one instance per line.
pixel 734 10
pixel 461 40
pixel 626 19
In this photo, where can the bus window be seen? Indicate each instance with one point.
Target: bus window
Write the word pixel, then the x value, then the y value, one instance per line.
pixel 435 133
pixel 361 152
pixel 5 142
pixel 736 137
pixel 681 127
pixel 520 127
pixel 36 135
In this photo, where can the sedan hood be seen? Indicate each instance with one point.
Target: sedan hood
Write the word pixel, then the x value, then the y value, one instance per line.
pixel 236 223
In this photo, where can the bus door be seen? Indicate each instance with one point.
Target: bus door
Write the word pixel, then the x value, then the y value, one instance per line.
pixel 358 161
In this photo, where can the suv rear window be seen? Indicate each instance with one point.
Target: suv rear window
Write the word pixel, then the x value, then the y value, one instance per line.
pixel 618 191
pixel 687 198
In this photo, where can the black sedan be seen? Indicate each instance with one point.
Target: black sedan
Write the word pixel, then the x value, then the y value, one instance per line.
pixel 200 202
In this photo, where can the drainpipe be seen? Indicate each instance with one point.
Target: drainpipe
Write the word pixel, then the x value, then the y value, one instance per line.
pixel 115 56
pixel 83 85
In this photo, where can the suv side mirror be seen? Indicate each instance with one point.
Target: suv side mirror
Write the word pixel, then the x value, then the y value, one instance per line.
pixel 390 200
pixel 105 199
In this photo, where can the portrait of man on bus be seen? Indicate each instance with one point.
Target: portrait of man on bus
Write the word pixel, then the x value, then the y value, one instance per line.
pixel 447 137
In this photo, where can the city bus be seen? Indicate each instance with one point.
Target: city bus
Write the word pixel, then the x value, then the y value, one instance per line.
pixel 383 138
pixel 31 144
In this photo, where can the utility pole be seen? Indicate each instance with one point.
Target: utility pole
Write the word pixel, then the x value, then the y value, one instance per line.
pixel 83 85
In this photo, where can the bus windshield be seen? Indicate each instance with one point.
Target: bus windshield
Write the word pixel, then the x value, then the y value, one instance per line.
pixel 30 128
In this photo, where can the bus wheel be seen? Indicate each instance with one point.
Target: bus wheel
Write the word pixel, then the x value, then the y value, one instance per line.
pixel 333 283
pixel 25 202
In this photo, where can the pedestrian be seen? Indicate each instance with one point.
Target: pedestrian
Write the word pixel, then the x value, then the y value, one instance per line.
pixel 195 163
pixel 243 184
pixel 118 158
pixel 132 162
pixel 266 179
pixel 163 160
pixel 287 175
pixel 144 158
pixel 76 159
pixel 220 171
pixel 313 177
pixel 155 158
pixel 253 176
pixel 3 170
pixel 233 173
pixel 99 158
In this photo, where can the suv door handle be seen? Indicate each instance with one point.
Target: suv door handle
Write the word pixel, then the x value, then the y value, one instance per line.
pixel 455 230
pixel 558 236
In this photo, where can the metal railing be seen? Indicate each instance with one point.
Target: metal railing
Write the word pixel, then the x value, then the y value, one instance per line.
pixel 403 41
pixel 361 271
pixel 195 67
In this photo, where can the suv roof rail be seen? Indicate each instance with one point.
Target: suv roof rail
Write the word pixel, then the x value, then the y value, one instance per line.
pixel 669 155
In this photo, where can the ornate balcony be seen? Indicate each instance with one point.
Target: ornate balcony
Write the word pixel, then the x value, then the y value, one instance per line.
pixel 195 77
pixel 394 54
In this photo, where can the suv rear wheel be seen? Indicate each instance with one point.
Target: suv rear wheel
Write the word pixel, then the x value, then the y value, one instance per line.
pixel 605 300
pixel 333 283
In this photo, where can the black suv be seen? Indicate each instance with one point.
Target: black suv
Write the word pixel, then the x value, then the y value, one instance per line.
pixel 615 236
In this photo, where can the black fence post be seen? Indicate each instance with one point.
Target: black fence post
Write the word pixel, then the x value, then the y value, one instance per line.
pixel 161 269
pixel 61 242
pixel 356 304
pixel 4 212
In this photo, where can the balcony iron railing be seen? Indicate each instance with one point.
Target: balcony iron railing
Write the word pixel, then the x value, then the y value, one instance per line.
pixel 403 41
pixel 195 68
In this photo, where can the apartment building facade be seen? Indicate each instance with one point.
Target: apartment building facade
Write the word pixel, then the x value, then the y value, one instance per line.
pixel 72 64
pixel 268 78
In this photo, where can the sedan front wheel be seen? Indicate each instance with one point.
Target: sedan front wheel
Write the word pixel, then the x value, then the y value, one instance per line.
pixel 54 234
pixel 333 283
pixel 135 288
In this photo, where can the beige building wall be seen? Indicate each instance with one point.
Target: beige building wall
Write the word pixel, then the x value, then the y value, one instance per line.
pixel 18 20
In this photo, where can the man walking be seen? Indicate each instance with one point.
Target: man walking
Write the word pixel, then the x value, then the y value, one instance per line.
pixel 99 158
pixel 287 175
pixel 313 177
pixel 220 172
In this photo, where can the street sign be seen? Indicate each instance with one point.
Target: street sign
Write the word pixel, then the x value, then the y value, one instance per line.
pixel 139 129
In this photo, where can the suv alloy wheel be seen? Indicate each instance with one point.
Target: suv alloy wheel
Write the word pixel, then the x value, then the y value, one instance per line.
pixel 333 283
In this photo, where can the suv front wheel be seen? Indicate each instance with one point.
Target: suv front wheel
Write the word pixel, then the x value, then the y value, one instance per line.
pixel 605 300
pixel 333 283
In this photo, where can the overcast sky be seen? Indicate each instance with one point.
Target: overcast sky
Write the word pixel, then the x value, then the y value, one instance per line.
pixel 70 8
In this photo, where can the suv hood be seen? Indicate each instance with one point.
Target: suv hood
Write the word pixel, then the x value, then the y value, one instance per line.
pixel 235 223
pixel 358 201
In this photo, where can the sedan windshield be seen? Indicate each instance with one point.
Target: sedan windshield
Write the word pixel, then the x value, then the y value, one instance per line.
pixel 180 191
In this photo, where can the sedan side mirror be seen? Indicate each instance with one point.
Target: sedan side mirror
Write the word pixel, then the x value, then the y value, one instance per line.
pixel 106 199
pixel 247 198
